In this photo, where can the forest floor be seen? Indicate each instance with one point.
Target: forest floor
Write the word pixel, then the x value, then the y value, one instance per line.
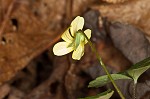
pixel 30 28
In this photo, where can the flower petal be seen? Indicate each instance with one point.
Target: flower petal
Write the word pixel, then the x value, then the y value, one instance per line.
pixel 79 52
pixel 88 34
pixel 77 24
pixel 61 48
pixel 66 36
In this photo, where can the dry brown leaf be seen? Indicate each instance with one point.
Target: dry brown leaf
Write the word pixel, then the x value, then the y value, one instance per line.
pixel 115 1
pixel 26 36
pixel 79 6
pixel 130 41
pixel 52 87
pixel 4 90
pixel 19 50
pixel 15 94
pixel 135 12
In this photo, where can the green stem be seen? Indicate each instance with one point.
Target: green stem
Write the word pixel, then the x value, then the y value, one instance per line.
pixel 104 67
pixel 134 90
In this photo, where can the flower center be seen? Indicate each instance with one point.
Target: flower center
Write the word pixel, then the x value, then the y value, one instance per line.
pixel 79 38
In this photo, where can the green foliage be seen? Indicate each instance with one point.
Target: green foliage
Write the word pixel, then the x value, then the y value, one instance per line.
pixel 133 73
pixel 105 95
pixel 138 69
pixel 102 80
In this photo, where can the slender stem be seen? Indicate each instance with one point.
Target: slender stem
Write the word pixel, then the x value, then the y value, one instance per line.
pixel 104 67
pixel 134 90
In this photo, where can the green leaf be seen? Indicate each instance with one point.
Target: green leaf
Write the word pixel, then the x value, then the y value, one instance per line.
pixel 102 80
pixel 105 95
pixel 138 69
pixel 133 73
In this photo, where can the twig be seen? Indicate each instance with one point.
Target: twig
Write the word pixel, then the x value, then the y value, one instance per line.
pixel 69 9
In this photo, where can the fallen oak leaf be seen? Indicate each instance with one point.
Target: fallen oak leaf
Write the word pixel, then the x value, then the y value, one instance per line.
pixel 15 55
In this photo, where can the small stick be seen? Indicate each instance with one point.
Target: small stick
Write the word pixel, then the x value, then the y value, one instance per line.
pixel 69 9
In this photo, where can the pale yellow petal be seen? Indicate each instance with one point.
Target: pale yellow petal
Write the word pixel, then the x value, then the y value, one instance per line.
pixel 88 34
pixel 77 24
pixel 66 36
pixel 79 52
pixel 61 48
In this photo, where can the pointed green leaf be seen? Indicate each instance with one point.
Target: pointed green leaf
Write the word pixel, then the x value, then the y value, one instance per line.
pixel 102 80
pixel 105 95
pixel 138 69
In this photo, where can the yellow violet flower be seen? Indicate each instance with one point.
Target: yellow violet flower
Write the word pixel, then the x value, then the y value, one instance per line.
pixel 74 40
